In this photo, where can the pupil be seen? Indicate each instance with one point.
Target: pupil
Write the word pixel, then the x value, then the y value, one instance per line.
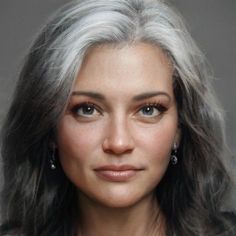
pixel 148 110
pixel 88 109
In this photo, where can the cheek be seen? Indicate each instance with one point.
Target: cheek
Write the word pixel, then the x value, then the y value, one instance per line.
pixel 76 143
pixel 157 141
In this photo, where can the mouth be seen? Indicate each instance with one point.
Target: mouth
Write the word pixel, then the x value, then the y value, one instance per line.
pixel 113 173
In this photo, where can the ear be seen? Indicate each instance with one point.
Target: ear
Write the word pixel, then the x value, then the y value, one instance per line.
pixel 177 138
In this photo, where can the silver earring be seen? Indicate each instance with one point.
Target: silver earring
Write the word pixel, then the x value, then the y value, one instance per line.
pixel 173 156
pixel 52 159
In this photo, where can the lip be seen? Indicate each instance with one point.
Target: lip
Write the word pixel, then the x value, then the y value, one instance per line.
pixel 114 173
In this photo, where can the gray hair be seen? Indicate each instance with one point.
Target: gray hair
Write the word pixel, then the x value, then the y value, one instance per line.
pixel 89 23
pixel 44 89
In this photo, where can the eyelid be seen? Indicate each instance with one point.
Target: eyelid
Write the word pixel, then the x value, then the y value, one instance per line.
pixel 158 106
pixel 161 108
pixel 80 105
pixel 154 103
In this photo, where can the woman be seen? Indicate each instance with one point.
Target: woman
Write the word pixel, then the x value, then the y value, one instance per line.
pixel 114 130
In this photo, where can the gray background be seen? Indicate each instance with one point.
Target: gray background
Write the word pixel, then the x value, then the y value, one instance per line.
pixel 211 22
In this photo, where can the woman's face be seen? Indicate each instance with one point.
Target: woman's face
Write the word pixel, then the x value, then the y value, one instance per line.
pixel 115 138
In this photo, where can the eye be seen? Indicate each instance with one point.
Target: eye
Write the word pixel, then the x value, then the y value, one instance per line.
pixel 86 110
pixel 151 110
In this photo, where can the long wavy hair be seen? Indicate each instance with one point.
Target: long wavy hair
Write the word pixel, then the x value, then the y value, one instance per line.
pixel 38 201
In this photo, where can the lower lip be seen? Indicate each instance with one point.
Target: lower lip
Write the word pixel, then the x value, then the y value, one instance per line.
pixel 116 176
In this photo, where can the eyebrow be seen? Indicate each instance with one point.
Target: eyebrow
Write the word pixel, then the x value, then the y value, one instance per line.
pixel 147 95
pixel 88 94
pixel 138 97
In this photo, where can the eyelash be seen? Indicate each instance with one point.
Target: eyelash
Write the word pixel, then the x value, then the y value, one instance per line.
pixel 161 108
pixel 85 105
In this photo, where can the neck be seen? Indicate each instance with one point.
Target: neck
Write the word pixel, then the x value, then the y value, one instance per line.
pixel 137 220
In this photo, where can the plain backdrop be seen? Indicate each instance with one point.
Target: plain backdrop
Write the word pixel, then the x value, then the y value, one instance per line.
pixel 212 24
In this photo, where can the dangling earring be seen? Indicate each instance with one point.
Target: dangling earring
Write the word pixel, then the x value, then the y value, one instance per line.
pixel 173 156
pixel 52 159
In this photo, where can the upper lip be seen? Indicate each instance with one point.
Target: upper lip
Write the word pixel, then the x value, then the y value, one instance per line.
pixel 117 168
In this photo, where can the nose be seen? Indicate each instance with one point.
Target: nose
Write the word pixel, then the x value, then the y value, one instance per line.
pixel 118 140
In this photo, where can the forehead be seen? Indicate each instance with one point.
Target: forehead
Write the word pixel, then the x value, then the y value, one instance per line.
pixel 130 67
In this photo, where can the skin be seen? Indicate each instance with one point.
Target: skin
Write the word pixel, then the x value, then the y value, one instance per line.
pixel 122 111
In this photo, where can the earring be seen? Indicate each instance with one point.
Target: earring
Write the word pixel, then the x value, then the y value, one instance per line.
pixel 52 159
pixel 173 156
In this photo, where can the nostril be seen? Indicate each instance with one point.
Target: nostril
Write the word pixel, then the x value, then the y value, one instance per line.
pixel 117 147
pixel 118 137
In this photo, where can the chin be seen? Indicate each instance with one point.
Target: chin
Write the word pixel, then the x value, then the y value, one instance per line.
pixel 120 201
